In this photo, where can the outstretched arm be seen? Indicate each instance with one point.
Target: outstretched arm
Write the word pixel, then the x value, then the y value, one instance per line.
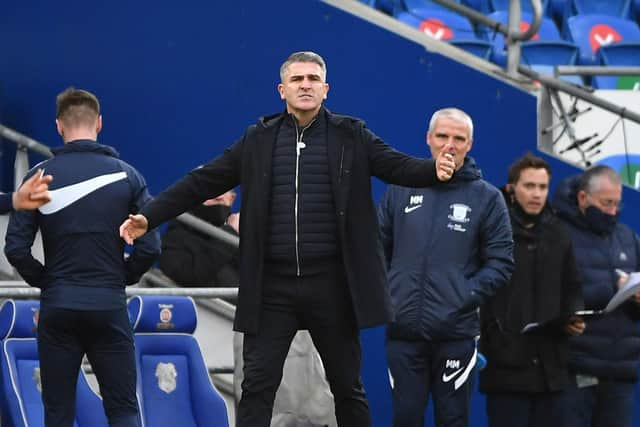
pixel 33 193
pixel 133 227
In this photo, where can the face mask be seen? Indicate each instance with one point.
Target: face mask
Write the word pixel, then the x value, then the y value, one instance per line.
pixel 214 214
pixel 599 221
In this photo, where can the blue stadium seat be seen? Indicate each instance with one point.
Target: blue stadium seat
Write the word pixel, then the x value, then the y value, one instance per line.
pixel 174 387
pixel 590 32
pixel 479 5
pixel 617 8
pixel 449 27
pixel 386 6
pixel 618 54
pixel 525 6
pixel 546 47
pixel 21 396
pixel 557 9
pixel 419 7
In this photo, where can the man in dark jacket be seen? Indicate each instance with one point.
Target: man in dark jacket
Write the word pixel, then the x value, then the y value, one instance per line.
pixel 604 361
pixel 448 249
pixel 192 258
pixel 526 373
pixel 309 255
pixel 83 306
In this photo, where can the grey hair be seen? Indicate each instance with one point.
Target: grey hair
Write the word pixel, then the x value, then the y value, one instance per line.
pixel 453 114
pixel 303 57
pixel 591 178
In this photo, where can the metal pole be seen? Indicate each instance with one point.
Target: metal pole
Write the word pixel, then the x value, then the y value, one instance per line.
pixel 585 70
pixel 211 230
pixel 513 44
pixel 20 166
pixel 25 141
pixel 579 93
pixel 26 292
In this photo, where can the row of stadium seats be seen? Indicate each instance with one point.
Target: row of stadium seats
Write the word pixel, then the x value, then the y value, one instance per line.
pixel 173 387
pixel 559 10
pixel 586 39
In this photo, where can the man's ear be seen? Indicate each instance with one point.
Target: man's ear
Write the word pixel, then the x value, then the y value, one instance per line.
pixel 60 128
pixel 581 198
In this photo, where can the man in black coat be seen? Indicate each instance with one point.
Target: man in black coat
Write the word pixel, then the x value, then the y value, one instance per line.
pixel 192 258
pixel 309 251
pixel 526 372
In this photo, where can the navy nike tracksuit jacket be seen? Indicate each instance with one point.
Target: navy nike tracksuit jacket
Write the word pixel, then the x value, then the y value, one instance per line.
pixel 93 192
pixel 448 248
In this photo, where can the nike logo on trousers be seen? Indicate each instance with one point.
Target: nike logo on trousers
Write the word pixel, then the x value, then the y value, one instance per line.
pixel 446 378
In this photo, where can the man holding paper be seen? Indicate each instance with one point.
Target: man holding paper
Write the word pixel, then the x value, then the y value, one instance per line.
pixel 604 361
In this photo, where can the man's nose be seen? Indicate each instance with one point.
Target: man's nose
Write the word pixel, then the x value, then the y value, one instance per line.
pixel 306 83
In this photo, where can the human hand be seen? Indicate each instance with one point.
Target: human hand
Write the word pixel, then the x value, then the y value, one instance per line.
pixel 234 221
pixel 445 165
pixel 576 326
pixel 133 227
pixel 33 193
pixel 623 277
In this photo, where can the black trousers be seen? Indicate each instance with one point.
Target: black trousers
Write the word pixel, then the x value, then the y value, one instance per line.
pixel 527 410
pixel 321 304
pixel 64 337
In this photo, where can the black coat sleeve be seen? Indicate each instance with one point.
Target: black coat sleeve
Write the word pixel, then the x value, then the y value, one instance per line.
pixel 214 178
pixel 394 167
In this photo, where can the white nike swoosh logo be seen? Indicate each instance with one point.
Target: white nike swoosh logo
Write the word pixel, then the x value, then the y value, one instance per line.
pixel 446 378
pixel 64 196
pixel 408 209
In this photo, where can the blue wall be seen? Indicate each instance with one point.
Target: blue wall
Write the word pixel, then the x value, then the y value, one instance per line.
pixel 179 83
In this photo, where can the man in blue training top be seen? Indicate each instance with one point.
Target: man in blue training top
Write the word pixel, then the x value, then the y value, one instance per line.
pixel 448 249
pixel 83 302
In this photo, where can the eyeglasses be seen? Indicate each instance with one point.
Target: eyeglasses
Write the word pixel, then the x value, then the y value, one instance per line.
pixel 606 203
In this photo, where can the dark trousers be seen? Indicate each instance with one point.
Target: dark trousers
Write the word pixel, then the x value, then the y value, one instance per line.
pixel 64 337
pixel 321 304
pixel 445 370
pixel 606 404
pixel 525 409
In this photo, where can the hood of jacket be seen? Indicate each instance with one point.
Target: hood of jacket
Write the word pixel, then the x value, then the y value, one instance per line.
pixel 85 146
pixel 468 172
pixel 565 202
pixel 521 222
